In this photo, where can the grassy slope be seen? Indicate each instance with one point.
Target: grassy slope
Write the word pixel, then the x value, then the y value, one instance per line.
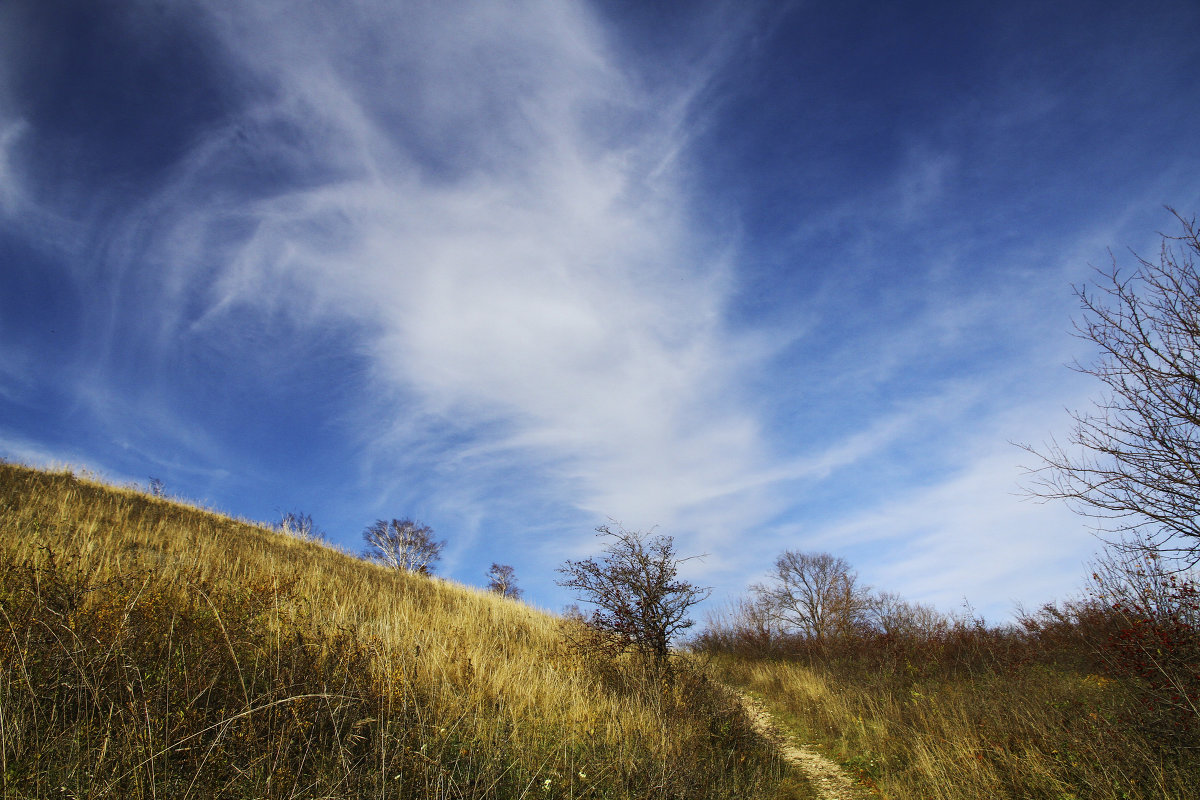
pixel 149 648
pixel 1020 731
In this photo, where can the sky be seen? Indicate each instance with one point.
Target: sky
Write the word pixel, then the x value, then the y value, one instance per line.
pixel 759 276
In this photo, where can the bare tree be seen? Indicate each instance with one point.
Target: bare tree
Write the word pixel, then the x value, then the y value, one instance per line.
pixel 887 612
pixel 502 579
pixel 1134 462
pixel 301 526
pixel 402 544
pixel 641 602
pixel 741 625
pixel 814 594
pixel 892 615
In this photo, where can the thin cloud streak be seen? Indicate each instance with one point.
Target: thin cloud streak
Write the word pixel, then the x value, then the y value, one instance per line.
pixel 20 450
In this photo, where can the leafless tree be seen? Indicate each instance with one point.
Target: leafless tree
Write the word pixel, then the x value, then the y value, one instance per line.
pixel 641 602
pixel 1133 460
pixel 815 595
pixel 502 579
pixel 301 526
pixel 892 615
pixel 741 625
pixel 402 544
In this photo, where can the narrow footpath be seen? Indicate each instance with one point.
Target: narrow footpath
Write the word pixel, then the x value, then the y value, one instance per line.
pixel 826 777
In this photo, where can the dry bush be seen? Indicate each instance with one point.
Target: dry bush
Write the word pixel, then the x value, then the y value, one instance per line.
pixel 744 625
pixel 1138 623
pixel 640 601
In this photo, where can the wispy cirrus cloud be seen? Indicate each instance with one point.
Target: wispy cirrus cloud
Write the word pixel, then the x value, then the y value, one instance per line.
pixel 10 192
pixel 494 205
pixel 517 267
pixel 499 213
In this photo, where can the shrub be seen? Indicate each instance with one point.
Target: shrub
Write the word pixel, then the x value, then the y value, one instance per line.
pixel 641 603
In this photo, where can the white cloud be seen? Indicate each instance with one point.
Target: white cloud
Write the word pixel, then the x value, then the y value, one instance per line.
pixel 501 216
pixel 497 212
pixel 488 198
pixel 921 184
pixel 971 536
pixel 971 531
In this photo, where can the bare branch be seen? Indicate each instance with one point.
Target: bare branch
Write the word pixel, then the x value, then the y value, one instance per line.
pixel 1133 460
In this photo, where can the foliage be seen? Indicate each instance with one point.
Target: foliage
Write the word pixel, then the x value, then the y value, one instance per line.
pixel 1136 464
pixel 1140 620
pixel 402 544
pixel 502 579
pixel 641 603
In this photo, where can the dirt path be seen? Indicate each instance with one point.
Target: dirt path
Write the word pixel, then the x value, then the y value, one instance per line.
pixel 827 777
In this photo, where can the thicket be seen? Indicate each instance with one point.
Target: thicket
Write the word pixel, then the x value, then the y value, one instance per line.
pixel 148 649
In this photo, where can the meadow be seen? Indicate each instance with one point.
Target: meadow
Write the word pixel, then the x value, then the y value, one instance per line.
pixel 1057 707
pixel 149 648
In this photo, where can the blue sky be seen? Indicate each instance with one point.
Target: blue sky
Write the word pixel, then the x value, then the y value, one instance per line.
pixel 767 276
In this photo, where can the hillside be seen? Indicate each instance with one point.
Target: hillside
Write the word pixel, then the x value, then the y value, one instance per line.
pixel 149 648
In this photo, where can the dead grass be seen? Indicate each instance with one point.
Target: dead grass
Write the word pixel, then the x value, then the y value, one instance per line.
pixel 152 649
pixel 1016 729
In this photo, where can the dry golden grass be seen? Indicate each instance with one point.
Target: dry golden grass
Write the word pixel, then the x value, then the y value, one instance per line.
pixel 149 648
pixel 1012 731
